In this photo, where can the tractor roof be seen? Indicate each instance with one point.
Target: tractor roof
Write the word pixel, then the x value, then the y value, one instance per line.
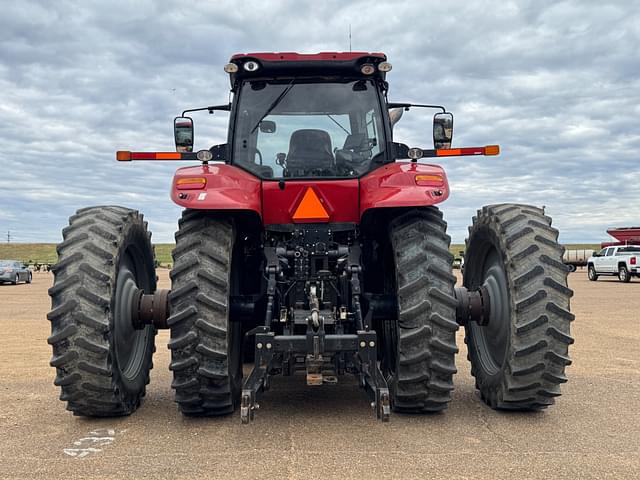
pixel 292 64
pixel 306 57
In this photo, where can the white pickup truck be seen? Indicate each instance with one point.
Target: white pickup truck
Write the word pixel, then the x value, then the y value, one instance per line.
pixel 623 261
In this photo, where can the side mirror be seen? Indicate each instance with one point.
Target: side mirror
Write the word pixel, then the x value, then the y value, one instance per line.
pixel 442 130
pixel 183 134
pixel 267 126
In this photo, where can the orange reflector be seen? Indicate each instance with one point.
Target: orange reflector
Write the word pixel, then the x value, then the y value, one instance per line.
pixel 168 156
pixel 191 183
pixel 448 152
pixel 434 180
pixel 310 209
pixel 123 156
pixel 492 150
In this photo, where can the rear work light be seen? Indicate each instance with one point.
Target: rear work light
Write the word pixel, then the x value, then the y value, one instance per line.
pixel 231 68
pixel 191 183
pixel 367 69
pixel 415 153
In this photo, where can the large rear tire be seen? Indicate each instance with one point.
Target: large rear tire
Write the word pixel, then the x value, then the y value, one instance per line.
pixel 519 358
pixel 419 358
pixel 102 362
pixel 206 348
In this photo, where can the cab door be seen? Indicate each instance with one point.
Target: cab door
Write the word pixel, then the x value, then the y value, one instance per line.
pixel 609 261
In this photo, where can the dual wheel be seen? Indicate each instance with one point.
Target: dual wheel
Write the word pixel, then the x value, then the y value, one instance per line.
pixel 102 360
pixel 518 359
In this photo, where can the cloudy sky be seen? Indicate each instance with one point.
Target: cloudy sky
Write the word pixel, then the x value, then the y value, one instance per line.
pixel 555 83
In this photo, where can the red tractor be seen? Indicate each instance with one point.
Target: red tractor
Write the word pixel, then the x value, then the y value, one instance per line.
pixel 310 242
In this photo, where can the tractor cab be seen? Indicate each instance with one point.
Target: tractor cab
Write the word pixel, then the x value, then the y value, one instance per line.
pixel 308 128
pixel 296 116
pixel 320 116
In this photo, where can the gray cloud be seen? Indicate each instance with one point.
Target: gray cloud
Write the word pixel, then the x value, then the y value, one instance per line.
pixel 555 83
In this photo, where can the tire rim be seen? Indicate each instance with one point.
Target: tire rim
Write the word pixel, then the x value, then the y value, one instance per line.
pixel 492 340
pixel 130 344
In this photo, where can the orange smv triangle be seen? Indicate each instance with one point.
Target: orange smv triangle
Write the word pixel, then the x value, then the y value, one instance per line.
pixel 310 209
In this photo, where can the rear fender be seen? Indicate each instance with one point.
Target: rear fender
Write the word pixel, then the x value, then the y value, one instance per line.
pixel 394 185
pixel 227 188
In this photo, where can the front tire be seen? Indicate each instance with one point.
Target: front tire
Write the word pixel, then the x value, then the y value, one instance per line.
pixel 591 273
pixel 623 274
pixel 419 357
pixel 519 358
pixel 205 346
pixel 102 362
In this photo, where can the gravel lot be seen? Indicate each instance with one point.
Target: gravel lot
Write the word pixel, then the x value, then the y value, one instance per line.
pixel 303 432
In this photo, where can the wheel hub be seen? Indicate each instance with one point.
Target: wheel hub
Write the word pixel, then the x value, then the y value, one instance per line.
pixel 473 306
pixel 150 309
pixel 493 335
pixel 488 308
pixel 129 341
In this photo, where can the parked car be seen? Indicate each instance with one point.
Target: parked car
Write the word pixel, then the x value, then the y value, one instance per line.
pixel 623 261
pixel 14 271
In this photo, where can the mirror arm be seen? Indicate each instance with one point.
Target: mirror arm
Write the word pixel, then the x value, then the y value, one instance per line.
pixel 210 109
pixel 406 106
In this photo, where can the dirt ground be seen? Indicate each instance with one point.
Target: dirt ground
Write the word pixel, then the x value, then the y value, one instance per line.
pixel 304 432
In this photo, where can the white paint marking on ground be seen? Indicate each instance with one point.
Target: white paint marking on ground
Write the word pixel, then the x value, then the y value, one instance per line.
pixel 92 443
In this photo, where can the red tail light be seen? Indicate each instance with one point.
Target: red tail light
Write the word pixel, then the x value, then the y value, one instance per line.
pixel 632 261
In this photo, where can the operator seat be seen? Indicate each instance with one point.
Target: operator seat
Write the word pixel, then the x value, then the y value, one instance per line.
pixel 309 150
pixel 355 155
